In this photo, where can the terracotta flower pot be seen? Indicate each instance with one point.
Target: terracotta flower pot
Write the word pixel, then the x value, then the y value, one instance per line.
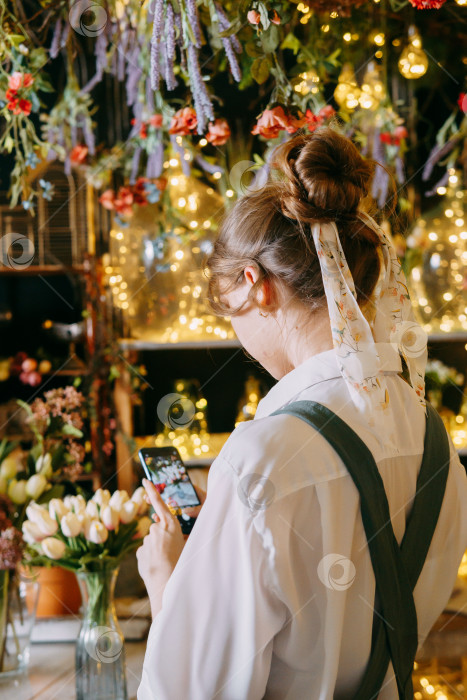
pixel 59 592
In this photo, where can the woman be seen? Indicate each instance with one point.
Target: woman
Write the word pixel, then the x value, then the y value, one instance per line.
pixel 273 595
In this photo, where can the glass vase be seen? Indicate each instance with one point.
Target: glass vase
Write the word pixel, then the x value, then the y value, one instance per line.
pixel 18 602
pixel 100 651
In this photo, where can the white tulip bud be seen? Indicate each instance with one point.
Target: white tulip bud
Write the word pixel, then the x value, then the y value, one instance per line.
pixel 39 515
pixel 139 498
pixel 71 526
pixel 144 524
pixel 3 485
pixel 75 503
pixel 101 497
pixel 57 508
pixel 98 532
pixel 128 512
pixel 9 467
pixel 110 517
pixel 85 521
pixel 44 465
pixel 118 499
pixel 92 509
pixel 53 548
pixel 17 491
pixel 35 485
pixel 31 532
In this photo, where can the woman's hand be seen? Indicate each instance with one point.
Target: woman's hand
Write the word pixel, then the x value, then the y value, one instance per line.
pixel 160 550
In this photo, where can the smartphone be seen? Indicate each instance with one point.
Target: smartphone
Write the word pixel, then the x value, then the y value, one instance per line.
pixel 164 467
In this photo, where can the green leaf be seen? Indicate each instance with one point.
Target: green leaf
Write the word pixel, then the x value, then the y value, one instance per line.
pixel 270 39
pixel 260 70
pixel 291 42
pixel 71 430
pixel 252 49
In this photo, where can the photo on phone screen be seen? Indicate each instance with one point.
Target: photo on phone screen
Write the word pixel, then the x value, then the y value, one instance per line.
pixel 164 467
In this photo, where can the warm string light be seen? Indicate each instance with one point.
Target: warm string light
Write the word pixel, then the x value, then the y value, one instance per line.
pixel 347 92
pixel 372 90
pixel 307 82
pixel 413 62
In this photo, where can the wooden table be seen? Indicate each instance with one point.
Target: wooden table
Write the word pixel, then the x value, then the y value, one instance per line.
pixel 51 673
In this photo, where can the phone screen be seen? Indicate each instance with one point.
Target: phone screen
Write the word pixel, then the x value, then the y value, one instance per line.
pixel 164 467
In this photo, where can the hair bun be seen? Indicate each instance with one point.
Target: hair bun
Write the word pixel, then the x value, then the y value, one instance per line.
pixel 326 177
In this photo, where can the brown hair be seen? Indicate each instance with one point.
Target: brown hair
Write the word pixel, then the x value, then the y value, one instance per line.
pixel 318 177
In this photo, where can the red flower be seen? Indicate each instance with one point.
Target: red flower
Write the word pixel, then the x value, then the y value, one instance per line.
pixel 326 112
pixel 184 121
pixel 218 133
pixel 107 199
pixel 271 123
pixel 312 120
pixel 11 95
pixel 160 487
pixel 156 121
pixel 400 132
pixel 20 106
pixel 385 137
pixel 139 192
pixel 78 154
pixel 143 130
pixel 462 102
pixel 274 17
pixel 295 123
pixel 123 201
pixel 427 4
pixel 161 183
pixel 18 80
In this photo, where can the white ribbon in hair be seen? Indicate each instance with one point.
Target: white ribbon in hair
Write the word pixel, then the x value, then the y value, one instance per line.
pixel 361 348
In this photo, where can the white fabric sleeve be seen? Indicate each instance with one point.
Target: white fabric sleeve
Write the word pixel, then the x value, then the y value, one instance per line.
pixel 213 636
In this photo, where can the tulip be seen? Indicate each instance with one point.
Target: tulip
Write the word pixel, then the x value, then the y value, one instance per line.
pixel 31 532
pixel 35 485
pixel 110 517
pixel 44 465
pixel 128 512
pixel 92 509
pixel 85 521
pixel 98 532
pixel 118 499
pixel 17 491
pixel 75 503
pixel 71 526
pixel 144 524
pixel 53 548
pixel 3 485
pixel 39 515
pixel 139 497
pixel 9 467
pixel 57 508
pixel 101 497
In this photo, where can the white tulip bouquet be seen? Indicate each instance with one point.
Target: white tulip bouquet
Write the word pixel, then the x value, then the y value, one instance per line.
pixel 86 536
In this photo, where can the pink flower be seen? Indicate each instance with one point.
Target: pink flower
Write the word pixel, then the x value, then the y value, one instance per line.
pixel 253 17
pixel 156 121
pixel 29 365
pixel 400 132
pixel 18 80
pixel 273 121
pixel 326 112
pixel 218 133
pixel 462 102
pixel 107 199
pixel 184 121
pixel 34 378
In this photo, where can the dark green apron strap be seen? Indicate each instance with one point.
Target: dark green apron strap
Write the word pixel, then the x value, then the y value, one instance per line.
pixel 396 637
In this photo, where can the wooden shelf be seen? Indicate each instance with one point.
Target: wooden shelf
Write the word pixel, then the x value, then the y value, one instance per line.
pixel 135 344
pixel 42 270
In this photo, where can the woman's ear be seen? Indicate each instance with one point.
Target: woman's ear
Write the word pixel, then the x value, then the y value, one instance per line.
pixel 264 296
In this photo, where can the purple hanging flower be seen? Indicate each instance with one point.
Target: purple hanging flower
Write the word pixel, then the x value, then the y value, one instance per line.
pixel 400 173
pixel 64 37
pixel 178 24
pixel 436 154
pixel 232 59
pixel 224 23
pixel 155 165
pixel 202 101
pixel 155 43
pixel 55 45
pixel 150 97
pixel 193 20
pixel 135 165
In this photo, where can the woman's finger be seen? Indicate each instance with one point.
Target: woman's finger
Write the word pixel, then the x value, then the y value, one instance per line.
pixel 157 503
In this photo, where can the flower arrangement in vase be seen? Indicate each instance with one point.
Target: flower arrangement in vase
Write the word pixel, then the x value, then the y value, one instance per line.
pixel 39 475
pixel 91 538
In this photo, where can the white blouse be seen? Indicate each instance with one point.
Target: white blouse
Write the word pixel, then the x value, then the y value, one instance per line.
pixel 273 594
